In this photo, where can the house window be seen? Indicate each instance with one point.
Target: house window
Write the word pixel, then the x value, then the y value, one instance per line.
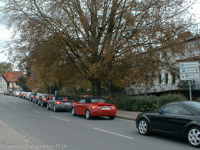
pixel 173 78
pixel 166 78
pixel 160 78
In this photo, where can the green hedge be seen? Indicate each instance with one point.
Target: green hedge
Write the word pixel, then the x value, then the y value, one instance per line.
pixel 144 103
pixel 164 99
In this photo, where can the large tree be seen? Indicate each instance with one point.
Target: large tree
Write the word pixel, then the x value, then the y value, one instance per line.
pixel 5 67
pixel 104 39
pixel 50 65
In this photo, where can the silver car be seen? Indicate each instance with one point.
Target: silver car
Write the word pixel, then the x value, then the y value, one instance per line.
pixel 60 102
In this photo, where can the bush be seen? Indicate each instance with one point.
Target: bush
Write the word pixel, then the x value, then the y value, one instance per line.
pixel 135 103
pixel 144 103
pixel 164 99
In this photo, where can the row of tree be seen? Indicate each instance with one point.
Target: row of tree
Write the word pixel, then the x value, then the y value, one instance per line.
pixel 63 42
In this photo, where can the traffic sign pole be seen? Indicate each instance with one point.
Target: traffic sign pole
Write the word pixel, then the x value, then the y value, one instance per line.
pixel 190 89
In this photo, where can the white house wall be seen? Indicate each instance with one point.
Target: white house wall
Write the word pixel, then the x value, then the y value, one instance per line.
pixel 3 85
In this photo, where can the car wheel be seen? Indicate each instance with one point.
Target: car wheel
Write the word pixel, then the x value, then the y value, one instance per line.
pixel 87 114
pixel 48 107
pixel 112 117
pixel 143 127
pixel 54 108
pixel 73 112
pixel 193 136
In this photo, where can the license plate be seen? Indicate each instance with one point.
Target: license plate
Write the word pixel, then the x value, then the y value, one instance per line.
pixel 67 104
pixel 105 108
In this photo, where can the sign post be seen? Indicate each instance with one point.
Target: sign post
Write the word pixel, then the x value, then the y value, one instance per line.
pixel 189 71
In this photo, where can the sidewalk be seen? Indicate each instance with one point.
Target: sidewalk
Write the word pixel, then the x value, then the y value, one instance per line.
pixel 10 139
pixel 130 115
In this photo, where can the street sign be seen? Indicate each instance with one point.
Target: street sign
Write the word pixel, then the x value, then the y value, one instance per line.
pixel 189 70
pixel 194 64
pixel 190 76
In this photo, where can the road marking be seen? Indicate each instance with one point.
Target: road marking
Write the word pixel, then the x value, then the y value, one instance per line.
pixel 113 133
pixel 36 111
pixel 60 118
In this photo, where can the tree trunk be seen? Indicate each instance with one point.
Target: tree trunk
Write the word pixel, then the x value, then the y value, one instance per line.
pixel 96 87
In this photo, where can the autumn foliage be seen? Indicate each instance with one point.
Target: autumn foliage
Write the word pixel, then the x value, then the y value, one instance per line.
pixel 96 40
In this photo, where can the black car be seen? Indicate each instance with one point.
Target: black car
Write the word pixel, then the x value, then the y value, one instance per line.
pixel 176 118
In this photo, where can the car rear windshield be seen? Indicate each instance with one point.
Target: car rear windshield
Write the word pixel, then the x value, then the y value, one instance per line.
pixel 61 98
pixel 195 105
pixel 97 100
pixel 46 96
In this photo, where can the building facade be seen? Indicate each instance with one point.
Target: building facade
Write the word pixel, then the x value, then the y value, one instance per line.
pixel 168 81
pixel 11 79
pixel 3 84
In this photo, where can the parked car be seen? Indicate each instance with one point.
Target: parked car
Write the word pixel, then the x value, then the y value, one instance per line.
pixel 27 95
pixel 24 95
pixel 44 99
pixel 31 97
pixel 16 93
pixel 60 102
pixel 6 93
pixel 176 118
pixel 20 94
pixel 94 107
pixel 37 98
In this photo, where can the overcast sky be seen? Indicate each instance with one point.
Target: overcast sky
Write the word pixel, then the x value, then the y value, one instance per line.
pixel 5 33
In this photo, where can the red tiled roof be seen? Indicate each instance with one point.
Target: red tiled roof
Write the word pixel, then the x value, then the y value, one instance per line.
pixel 12 76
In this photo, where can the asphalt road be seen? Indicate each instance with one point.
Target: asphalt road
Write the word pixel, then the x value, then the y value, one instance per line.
pixel 69 132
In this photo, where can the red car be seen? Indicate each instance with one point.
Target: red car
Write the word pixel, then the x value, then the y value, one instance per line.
pixel 94 107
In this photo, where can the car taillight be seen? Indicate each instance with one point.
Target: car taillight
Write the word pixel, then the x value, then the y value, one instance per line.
pixel 37 97
pixel 65 99
pixel 50 97
pixel 58 103
pixel 74 102
pixel 32 96
pixel 44 99
pixel 94 107
pixel 113 107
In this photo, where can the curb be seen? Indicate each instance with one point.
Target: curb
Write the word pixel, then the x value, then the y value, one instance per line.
pixel 121 117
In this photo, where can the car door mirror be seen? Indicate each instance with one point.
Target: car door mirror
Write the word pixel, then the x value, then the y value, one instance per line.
pixel 160 111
